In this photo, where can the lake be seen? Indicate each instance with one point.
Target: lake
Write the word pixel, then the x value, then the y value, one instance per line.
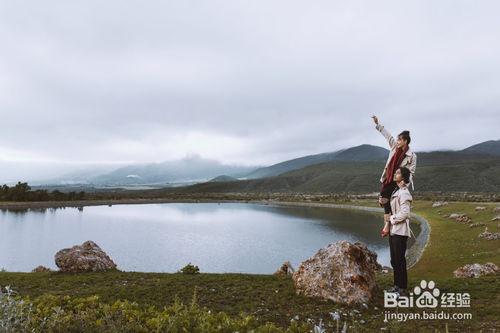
pixel 217 237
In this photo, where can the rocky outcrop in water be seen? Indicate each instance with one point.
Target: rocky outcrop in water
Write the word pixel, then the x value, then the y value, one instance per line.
pixel 342 272
pixel 476 270
pixel 88 257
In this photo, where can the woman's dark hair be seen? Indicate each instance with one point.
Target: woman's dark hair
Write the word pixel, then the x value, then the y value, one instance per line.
pixel 405 173
pixel 405 135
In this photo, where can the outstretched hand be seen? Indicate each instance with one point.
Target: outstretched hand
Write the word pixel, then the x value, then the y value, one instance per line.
pixel 375 120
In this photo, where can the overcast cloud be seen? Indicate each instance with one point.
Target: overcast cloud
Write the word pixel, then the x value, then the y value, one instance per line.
pixel 247 82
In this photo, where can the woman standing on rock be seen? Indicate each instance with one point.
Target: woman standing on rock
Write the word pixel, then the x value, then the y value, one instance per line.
pixel 400 156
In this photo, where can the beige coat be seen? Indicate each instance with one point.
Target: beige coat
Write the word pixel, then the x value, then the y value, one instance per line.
pixel 409 161
pixel 400 205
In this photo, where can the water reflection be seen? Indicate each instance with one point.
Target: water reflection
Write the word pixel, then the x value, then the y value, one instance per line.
pixel 218 237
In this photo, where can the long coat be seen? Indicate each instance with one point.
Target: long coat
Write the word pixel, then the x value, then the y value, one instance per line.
pixel 400 206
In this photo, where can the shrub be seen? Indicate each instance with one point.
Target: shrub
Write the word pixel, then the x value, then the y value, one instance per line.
pixel 50 313
pixel 14 312
pixel 189 269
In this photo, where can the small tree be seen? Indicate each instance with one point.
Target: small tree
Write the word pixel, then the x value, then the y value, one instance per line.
pixel 190 269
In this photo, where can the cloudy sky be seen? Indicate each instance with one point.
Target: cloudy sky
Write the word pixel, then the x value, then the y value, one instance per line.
pixel 247 82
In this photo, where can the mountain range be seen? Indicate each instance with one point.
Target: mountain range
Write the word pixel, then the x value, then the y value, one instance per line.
pixel 189 169
pixel 356 169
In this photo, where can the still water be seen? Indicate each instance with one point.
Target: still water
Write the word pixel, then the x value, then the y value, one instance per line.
pixel 225 237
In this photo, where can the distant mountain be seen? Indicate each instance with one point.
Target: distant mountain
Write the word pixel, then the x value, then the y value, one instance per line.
pixel 78 177
pixel 436 171
pixel 491 147
pixel 223 178
pixel 359 153
pixel 289 165
pixel 355 169
pixel 451 157
pixel 333 176
pixel 189 169
pixel 362 153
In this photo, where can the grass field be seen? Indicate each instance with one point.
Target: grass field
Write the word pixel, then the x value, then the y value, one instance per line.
pixel 273 299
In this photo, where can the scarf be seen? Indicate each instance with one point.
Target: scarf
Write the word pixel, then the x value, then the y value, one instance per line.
pixel 394 163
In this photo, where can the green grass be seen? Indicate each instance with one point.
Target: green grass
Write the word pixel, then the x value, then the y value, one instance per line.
pixel 453 244
pixel 273 299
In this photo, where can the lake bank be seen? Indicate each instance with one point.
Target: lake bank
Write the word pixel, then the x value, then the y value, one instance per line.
pixel 414 251
pixel 165 237
pixel 269 298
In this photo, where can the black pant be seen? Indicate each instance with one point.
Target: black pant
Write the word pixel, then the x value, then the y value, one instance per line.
pixel 386 192
pixel 397 244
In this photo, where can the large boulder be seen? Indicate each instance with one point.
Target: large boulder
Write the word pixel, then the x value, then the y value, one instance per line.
pixel 476 270
pixel 342 272
pixel 88 257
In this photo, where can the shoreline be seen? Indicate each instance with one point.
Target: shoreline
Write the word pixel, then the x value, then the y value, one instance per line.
pixel 414 253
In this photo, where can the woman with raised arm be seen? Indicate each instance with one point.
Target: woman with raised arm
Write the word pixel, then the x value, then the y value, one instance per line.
pixel 400 156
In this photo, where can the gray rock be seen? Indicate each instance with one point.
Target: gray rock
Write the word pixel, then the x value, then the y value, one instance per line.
pixel 342 272
pixel 489 235
pixel 460 218
pixel 476 270
pixel 439 204
pixel 88 257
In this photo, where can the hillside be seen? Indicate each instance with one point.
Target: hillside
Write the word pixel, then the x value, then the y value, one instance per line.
pixel 491 147
pixel 362 153
pixel 358 153
pixel 436 171
pixel 223 178
pixel 293 164
pixel 347 167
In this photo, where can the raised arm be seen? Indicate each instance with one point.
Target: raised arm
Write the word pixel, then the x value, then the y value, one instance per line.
pixel 385 133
